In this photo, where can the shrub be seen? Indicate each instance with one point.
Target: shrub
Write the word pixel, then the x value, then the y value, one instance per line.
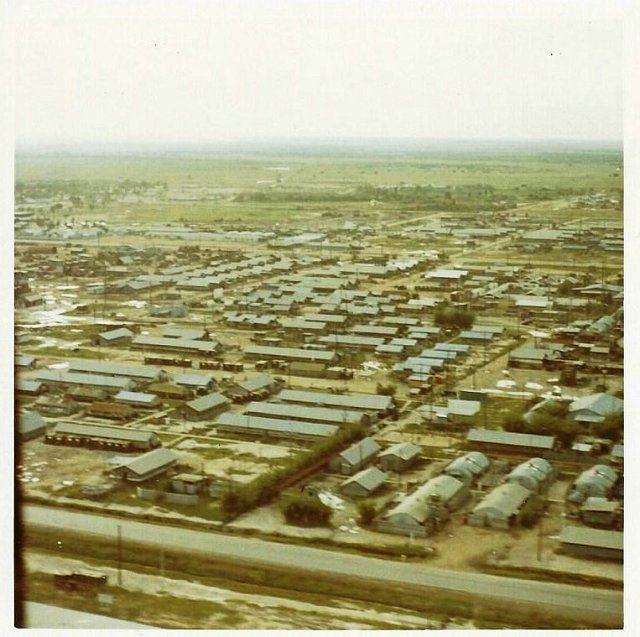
pixel 368 512
pixel 306 510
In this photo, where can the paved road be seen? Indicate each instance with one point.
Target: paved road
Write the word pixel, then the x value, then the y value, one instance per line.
pixel 563 597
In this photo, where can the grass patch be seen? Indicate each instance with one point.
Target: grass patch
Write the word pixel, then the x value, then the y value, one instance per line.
pixel 251 577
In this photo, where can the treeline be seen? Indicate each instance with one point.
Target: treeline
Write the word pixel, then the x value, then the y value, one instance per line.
pixel 551 419
pixel 241 498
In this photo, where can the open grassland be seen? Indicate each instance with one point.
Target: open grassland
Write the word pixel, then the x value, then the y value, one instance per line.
pixel 265 189
pixel 595 170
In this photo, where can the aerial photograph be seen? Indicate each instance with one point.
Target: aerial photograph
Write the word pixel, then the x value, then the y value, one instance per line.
pixel 317 315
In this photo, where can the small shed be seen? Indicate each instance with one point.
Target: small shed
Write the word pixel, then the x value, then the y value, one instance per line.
pixel 146 466
pixel 363 483
pixel 399 457
pixel 500 508
pixel 351 460
pixel 25 362
pixel 119 336
pixel 29 387
pixel 171 391
pixel 189 483
pixel 600 512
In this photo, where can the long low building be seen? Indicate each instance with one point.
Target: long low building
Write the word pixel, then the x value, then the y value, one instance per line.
pixel 382 405
pixel 506 441
pixel 289 353
pixel 426 509
pixel 468 467
pixel 65 379
pixel 536 474
pixel 277 428
pixel 586 542
pixel 500 509
pixel 136 372
pixel 312 414
pixel 206 407
pixel 596 482
pixel 350 340
pixel 148 465
pixel 179 345
pixel 102 437
pixel 354 458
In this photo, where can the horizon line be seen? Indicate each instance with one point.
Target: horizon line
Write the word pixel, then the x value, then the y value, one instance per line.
pixel 154 144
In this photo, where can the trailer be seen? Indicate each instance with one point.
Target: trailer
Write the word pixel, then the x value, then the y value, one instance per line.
pixel 82 581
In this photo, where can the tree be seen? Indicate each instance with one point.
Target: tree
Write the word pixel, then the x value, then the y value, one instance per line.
pixel 306 510
pixel 447 316
pixel 610 428
pixel 368 512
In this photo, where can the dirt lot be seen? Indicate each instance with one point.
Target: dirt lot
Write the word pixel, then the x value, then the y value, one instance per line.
pixel 232 609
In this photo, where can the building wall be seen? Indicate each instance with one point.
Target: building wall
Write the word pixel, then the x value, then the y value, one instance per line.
pixel 578 550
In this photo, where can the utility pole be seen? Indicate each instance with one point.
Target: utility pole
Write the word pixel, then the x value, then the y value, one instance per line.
pixel 119 555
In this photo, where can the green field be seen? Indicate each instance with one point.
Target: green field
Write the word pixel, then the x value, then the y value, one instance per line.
pixel 267 188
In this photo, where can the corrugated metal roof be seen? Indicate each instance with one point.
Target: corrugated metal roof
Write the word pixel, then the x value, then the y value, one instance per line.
pixel 348 339
pixel 84 379
pixel 151 461
pixel 372 402
pixel 258 423
pixel 320 414
pixel 24 361
pixel 136 397
pixel 175 343
pixel 289 352
pixel 598 474
pixel 473 463
pixel 417 504
pixel 193 380
pixel 596 538
pixel 507 438
pixel 28 385
pixel 452 347
pixel 507 499
pixel 369 479
pixel 210 401
pixel 362 450
pixel 29 421
pixel 184 333
pixel 259 382
pixel 601 404
pixel 103 431
pixel 121 332
pixel 402 450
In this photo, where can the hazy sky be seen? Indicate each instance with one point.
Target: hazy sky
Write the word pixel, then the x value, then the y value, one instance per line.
pixel 149 70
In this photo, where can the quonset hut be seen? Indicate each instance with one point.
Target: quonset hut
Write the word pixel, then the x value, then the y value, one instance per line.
pixel 468 467
pixel 426 509
pixel 536 474
pixel 596 482
pixel 500 508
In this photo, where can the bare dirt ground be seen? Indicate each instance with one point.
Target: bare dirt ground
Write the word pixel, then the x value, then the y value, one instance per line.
pixel 250 611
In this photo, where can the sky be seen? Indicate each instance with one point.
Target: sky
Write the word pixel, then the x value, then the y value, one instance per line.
pixel 198 71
